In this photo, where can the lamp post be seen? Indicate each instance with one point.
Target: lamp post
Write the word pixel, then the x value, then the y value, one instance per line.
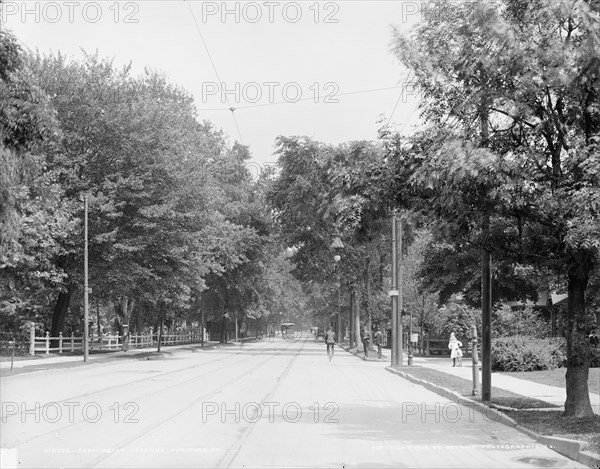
pixel 337 247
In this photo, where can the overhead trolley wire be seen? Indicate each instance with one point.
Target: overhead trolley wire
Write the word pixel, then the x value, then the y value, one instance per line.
pixel 212 63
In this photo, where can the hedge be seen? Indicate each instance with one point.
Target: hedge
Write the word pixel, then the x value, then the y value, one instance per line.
pixel 523 353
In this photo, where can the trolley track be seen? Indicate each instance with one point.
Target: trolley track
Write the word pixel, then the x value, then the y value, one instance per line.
pixel 140 380
pixel 217 366
pixel 188 408
pixel 230 455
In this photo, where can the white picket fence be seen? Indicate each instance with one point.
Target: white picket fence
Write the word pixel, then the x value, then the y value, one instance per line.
pixel 110 342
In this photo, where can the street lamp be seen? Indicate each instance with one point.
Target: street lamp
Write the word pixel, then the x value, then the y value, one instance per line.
pixel 337 246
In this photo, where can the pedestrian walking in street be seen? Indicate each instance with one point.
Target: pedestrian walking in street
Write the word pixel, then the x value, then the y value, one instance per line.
pixel 366 340
pixel 330 340
pixel 378 338
pixel 455 352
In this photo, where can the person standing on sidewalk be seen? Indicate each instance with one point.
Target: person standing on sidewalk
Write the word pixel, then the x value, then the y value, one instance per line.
pixel 366 340
pixel 378 339
pixel 454 345
pixel 330 341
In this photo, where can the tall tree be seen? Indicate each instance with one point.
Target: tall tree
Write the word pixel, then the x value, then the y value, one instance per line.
pixel 34 217
pixel 136 147
pixel 527 73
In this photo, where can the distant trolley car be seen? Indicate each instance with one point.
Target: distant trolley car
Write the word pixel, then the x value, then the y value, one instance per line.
pixel 288 330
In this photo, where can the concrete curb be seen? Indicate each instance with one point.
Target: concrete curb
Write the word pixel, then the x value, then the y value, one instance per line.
pixel 570 448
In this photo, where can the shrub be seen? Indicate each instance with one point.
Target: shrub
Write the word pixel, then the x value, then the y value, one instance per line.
pixel 457 318
pixel 508 321
pixel 523 353
pixel 558 350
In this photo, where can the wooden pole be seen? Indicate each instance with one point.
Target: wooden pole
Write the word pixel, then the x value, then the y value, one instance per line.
pixel 486 266
pixel 351 333
pixel 394 348
pixel 202 319
pixel 486 316
pixel 85 280
pixel 399 281
pixel 396 293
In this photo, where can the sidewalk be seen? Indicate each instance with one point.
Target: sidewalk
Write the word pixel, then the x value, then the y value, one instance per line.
pixel 359 352
pixel 551 394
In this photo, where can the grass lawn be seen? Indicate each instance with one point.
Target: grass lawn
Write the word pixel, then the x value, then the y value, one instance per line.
pixel 556 377
pixel 551 423
pixel 465 386
pixel 546 422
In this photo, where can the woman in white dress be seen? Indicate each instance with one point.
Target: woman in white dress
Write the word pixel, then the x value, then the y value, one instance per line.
pixel 455 352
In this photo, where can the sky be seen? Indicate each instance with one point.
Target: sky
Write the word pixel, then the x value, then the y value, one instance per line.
pixel 316 68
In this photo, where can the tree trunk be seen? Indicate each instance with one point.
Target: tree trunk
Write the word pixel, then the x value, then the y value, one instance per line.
pixel 98 324
pixel 351 327
pixel 577 403
pixel 202 304
pixel 368 287
pixel 140 319
pixel 422 334
pixel 382 264
pixel 223 325
pixel 160 325
pixel 356 313
pixel 123 310
pixel 117 305
pixel 223 329
pixel 60 315
pixel 486 313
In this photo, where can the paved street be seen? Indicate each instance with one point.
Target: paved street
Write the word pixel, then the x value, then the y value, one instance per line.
pixel 265 404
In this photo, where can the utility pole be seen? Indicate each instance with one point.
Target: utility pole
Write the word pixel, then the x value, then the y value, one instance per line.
pixel 99 326
pixel 85 279
pixel 399 331
pixel 202 319
pixel 351 309
pixel 410 342
pixel 340 333
pixel 486 315
pixel 393 295
pixel 486 267
pixel 396 292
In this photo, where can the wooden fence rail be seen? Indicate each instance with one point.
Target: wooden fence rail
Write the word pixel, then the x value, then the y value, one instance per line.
pixel 61 344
